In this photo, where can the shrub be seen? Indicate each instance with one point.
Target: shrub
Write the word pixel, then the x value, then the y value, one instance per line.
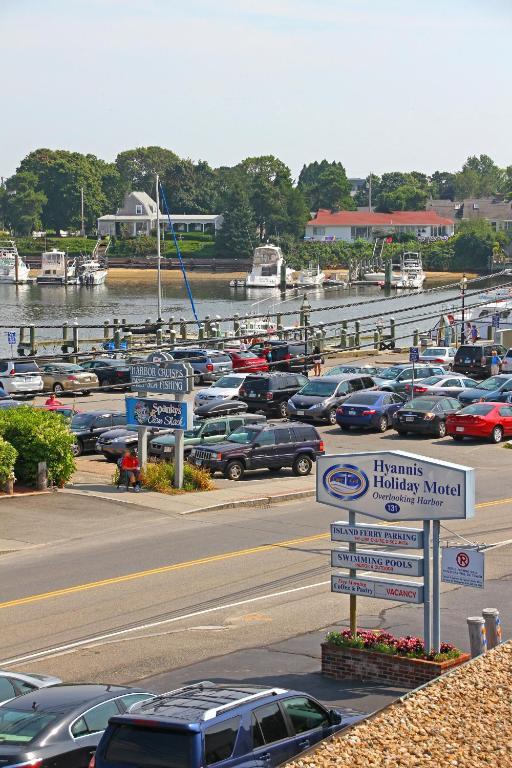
pixel 159 476
pixel 38 435
pixel 8 454
pixel 383 642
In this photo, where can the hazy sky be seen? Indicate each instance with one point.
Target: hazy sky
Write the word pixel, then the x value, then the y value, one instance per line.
pixel 377 84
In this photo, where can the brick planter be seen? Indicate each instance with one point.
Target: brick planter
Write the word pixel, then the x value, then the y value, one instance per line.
pixel 353 663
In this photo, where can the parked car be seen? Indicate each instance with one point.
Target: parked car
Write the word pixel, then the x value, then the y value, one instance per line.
pixel 68 377
pixel 492 421
pixel 220 408
pixel 475 359
pixel 255 446
pixel 247 361
pixel 396 377
pixel 506 362
pixel 223 725
pixel 204 432
pixel 444 355
pixel 370 410
pixel 21 378
pixel 270 392
pixel 496 389
pixel 207 364
pixel 110 371
pixel 425 415
pixel 339 370
pixel 226 388
pixel 87 428
pixel 4 395
pixel 60 725
pixel 285 355
pixel 13 684
pixel 319 398
pixel 9 403
pixel 114 442
pixel 449 385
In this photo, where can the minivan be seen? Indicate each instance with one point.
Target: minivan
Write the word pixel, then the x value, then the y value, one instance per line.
pixel 319 398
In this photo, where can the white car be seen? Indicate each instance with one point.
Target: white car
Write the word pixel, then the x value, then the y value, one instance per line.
pixel 226 388
pixel 443 355
pixel 21 377
pixel 13 684
pixel 506 362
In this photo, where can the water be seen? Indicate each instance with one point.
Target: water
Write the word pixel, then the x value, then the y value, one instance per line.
pixel 135 300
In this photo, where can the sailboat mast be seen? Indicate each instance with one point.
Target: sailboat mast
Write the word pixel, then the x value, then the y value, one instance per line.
pixel 158 254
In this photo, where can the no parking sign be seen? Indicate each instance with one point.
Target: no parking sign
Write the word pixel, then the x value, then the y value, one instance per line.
pixel 463 566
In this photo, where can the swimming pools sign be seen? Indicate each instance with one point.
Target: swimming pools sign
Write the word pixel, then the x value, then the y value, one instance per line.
pixel 394 485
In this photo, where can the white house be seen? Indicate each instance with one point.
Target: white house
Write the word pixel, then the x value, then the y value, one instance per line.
pixel 351 225
pixel 138 216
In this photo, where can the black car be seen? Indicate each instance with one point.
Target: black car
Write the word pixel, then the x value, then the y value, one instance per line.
pixel 61 725
pixel 87 427
pixel 270 392
pixel 284 355
pixel 110 371
pixel 272 445
pixel 475 359
pixel 425 415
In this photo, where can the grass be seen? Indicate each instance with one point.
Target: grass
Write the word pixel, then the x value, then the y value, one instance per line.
pixel 31 246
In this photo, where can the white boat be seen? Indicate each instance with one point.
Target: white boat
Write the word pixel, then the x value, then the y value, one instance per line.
pixel 411 271
pixel 92 273
pixel 267 263
pixel 482 317
pixel 8 257
pixel 310 277
pixel 57 269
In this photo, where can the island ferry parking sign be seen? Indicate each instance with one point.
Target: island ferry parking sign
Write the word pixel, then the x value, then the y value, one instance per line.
pixel 394 485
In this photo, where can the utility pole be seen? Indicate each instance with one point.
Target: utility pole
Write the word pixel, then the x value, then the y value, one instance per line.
pixel 370 194
pixel 82 231
pixel 158 254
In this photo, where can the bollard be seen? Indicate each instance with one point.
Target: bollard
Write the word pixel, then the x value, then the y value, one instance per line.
pixel 207 327
pixel 171 325
pixel 200 334
pixel 343 342
pixel 416 338
pixel 172 337
pixel 76 349
pixel 9 485
pixel 117 337
pixel 106 330
pixel 477 636
pixel 392 330
pixel 42 476
pixel 358 334
pixel 376 340
pixel 32 337
pixel 183 329
pixel 159 338
pixel 492 627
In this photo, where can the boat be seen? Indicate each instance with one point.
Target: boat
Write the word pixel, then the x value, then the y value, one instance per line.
pixel 336 280
pixel 13 269
pixel 482 316
pixel 237 283
pixel 57 269
pixel 411 271
pixel 92 272
pixel 310 277
pixel 267 265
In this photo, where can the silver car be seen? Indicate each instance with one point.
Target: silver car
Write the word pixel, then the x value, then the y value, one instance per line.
pixel 13 684
pixel 21 378
pixel 442 355
pixel 450 385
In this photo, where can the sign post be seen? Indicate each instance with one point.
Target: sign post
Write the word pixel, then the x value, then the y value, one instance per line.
pixel 11 340
pixel 414 356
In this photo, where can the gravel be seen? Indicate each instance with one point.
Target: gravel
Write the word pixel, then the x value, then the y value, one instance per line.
pixel 462 720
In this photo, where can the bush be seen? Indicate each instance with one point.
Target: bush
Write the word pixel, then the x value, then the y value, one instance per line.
pixel 383 642
pixel 159 476
pixel 8 454
pixel 38 435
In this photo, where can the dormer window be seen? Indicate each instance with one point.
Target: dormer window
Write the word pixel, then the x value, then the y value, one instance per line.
pixel 138 210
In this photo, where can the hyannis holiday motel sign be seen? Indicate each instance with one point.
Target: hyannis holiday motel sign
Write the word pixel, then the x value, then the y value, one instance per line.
pixel 394 485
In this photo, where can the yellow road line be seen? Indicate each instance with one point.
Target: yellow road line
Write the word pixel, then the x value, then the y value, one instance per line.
pixel 187 564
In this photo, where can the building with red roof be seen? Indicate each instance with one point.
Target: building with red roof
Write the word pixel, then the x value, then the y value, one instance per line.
pixel 351 225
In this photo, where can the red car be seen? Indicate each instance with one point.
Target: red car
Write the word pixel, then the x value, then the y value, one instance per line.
pixel 489 420
pixel 246 361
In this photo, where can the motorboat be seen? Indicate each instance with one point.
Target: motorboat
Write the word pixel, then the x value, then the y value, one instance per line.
pixel 92 273
pixel 411 271
pixel 13 269
pixel 267 265
pixel 311 277
pixel 57 269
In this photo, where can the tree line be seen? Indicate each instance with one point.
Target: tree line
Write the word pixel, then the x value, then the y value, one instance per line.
pixel 258 196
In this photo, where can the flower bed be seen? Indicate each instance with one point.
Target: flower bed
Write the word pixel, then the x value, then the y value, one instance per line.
pixel 380 656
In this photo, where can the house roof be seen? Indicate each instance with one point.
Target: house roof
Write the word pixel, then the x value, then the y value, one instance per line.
pixel 137 198
pixel 325 218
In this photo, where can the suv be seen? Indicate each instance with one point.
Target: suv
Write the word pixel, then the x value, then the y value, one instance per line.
pixel 475 359
pixel 319 398
pixel 21 377
pixel 207 364
pixel 270 392
pixel 203 432
pixel 87 427
pixel 395 378
pixel 262 446
pixel 223 725
pixel 284 355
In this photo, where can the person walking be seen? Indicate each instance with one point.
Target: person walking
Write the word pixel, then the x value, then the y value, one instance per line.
pixel 317 361
pixel 131 467
pixel 52 401
pixel 495 363
pixel 474 334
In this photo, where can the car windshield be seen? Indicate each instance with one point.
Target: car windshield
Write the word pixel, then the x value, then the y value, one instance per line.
pixel 244 435
pixel 477 409
pixel 194 431
pixel 494 382
pixel 319 388
pixel 390 373
pixel 22 726
pixel 82 419
pixel 140 747
pixel 422 404
pixel 363 398
pixel 228 382
pixel 65 367
pixel 432 380
pixel 339 369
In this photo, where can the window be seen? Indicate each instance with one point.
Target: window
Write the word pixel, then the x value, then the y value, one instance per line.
pixel 344 388
pixel 96 719
pixel 101 422
pixel 6 689
pixel 131 699
pixel 266 438
pixel 139 747
pixel 138 210
pixel 283 436
pixel 219 740
pixel 368 382
pixel 268 725
pixel 506 411
pixel 23 687
pixel 218 428
pixel 234 424
pixel 319 230
pixel 303 434
pixel 305 714
pixel 452 383
pixel 118 419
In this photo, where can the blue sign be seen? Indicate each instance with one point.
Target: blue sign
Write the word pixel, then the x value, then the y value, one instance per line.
pixel 143 412
pixel 11 337
pixel 345 481
pixel 414 354
pixel 496 321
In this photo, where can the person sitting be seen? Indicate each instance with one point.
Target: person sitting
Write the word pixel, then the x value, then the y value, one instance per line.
pixel 52 401
pixel 130 466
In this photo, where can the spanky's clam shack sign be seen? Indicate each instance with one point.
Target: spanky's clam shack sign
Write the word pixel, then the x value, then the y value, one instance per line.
pixel 395 485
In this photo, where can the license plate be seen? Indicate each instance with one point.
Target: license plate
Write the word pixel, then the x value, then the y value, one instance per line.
pixel 198 462
pixel 459 429
pixel 467 360
pixel 301 413
pixel 351 413
pixel 409 418
pixel 252 394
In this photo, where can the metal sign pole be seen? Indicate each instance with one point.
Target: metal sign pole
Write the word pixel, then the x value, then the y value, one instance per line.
pixel 427 624
pixel 436 586
pixel 142 442
pixel 179 452
pixel 353 575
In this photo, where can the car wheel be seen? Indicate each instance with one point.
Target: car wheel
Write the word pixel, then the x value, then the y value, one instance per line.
pixel 383 424
pixel 234 470
pixel 197 379
pixel 441 429
pixel 86 392
pixel 283 410
pixel 497 435
pixel 331 416
pixel 77 448
pixel 302 465
pixel 58 389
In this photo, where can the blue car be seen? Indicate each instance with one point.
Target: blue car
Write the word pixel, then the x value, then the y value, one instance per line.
pixel 370 410
pixel 243 725
pixel 496 389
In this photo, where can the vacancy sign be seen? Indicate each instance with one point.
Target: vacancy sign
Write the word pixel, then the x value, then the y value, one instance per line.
pixel 463 566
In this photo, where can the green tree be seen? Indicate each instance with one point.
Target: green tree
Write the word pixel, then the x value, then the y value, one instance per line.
pixel 23 204
pixel 475 243
pixel 325 185
pixel 443 185
pixel 480 177
pixel 404 198
pixel 237 237
pixel 191 188
pixel 138 167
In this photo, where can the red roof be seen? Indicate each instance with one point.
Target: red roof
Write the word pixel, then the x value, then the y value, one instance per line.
pixel 324 218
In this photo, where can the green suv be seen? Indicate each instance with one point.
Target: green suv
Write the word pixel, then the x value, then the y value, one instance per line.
pixel 203 432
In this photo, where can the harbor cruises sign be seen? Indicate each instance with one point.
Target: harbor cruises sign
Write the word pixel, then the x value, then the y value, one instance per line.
pixel 394 485
pixel 162 376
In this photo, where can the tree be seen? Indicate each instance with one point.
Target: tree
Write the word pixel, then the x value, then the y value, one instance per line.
pixel 443 185
pixel 475 243
pixel 190 188
pixel 138 167
pixel 237 237
pixel 23 204
pixel 325 185
pixel 480 177
pixel 405 198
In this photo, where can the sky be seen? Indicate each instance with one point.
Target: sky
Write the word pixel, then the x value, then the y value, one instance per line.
pixel 379 85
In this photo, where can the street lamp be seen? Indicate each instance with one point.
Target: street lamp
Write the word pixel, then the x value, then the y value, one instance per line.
pixel 463 286
pixel 305 311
